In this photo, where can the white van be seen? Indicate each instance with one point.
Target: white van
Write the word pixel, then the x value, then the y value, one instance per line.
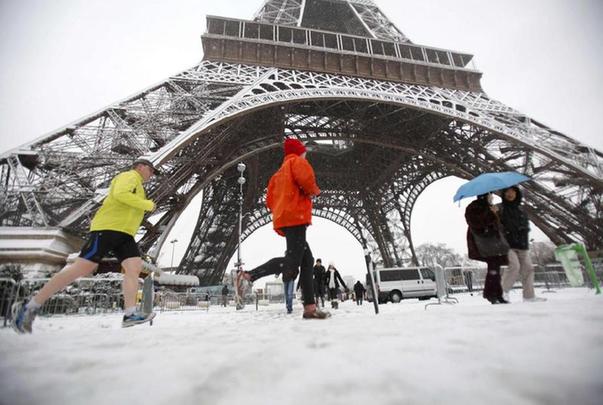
pixel 396 283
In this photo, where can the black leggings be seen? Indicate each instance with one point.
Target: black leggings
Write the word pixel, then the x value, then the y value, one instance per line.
pixel 298 255
pixel 492 287
pixel 319 295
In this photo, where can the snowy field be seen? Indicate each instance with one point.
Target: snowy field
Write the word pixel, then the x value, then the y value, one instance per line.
pixel 469 353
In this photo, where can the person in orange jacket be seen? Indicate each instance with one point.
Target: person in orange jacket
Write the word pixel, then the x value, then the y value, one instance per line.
pixel 289 198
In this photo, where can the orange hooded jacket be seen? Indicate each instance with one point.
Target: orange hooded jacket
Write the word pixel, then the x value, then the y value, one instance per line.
pixel 289 192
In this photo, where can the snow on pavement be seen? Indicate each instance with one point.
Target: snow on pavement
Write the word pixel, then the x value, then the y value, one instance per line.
pixel 469 353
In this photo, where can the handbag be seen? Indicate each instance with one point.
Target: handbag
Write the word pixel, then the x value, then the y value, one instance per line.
pixel 492 244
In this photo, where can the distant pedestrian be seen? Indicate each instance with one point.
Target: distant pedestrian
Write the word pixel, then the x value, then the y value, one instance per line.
pixel 333 281
pixel 359 291
pixel 225 295
pixel 319 282
pixel 486 243
pixel 516 229
pixel 289 198
pixel 468 277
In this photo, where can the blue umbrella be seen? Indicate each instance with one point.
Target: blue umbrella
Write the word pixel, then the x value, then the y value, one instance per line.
pixel 488 182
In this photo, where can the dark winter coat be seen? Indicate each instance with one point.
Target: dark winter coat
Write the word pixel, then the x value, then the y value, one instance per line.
pixel 482 221
pixel 225 290
pixel 359 289
pixel 319 278
pixel 338 279
pixel 515 222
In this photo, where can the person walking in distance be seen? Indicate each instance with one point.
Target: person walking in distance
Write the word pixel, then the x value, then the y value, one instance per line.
pixel 483 235
pixel 289 198
pixel 468 276
pixel 516 227
pixel 112 230
pixel 319 282
pixel 225 295
pixel 359 291
pixel 333 280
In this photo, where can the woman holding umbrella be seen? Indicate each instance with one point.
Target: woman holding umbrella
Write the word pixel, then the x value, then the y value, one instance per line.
pixel 486 243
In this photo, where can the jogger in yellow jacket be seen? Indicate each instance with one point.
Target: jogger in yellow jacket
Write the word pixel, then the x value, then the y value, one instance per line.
pixel 112 230
pixel 124 206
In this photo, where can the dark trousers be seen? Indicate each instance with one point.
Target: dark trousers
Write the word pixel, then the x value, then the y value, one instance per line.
pixel 359 300
pixel 319 294
pixel 297 256
pixel 469 281
pixel 492 287
pixel 332 293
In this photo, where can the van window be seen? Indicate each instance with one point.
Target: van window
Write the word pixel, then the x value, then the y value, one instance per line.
pixel 397 275
pixel 391 275
pixel 428 274
pixel 410 274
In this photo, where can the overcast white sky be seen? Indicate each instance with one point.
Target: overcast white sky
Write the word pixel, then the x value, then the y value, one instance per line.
pixel 63 59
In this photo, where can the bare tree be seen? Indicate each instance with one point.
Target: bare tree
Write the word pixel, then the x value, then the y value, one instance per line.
pixel 430 254
pixel 542 253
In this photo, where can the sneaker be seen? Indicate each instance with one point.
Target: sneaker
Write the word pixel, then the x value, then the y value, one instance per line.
pixel 534 299
pixel 22 317
pixel 136 318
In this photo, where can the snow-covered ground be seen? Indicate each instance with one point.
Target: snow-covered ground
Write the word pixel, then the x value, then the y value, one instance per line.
pixel 469 353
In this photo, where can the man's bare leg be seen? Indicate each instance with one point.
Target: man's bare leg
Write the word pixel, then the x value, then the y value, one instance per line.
pixel 80 268
pixel 132 267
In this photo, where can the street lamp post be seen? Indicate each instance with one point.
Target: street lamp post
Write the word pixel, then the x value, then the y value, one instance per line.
pixel 241 180
pixel 173 242
pixel 370 278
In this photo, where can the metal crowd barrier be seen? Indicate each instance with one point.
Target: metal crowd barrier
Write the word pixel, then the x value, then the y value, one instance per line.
pixel 86 296
pixel 8 293
pixel 167 300
pixel 457 278
pixel 550 276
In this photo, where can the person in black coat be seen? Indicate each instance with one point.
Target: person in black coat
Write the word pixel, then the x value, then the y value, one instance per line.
pixel 319 282
pixel 333 280
pixel 482 219
pixel 359 291
pixel 516 227
pixel 225 295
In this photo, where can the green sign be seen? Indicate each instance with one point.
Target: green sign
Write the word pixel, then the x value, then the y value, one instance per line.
pixel 569 256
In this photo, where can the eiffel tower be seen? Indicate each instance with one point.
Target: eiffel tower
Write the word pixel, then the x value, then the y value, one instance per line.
pixel 383 117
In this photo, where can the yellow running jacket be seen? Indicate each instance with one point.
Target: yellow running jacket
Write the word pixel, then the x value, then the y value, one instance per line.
pixel 124 206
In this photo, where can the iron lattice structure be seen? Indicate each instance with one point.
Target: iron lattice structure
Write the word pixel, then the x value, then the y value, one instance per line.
pixel 384 118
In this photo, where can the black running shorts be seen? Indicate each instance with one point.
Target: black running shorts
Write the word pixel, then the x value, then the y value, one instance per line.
pixel 109 243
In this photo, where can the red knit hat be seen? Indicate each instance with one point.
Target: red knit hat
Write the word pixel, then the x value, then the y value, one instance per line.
pixel 295 146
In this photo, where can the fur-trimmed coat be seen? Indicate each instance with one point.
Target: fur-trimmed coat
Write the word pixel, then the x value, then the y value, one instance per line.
pixel 481 220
